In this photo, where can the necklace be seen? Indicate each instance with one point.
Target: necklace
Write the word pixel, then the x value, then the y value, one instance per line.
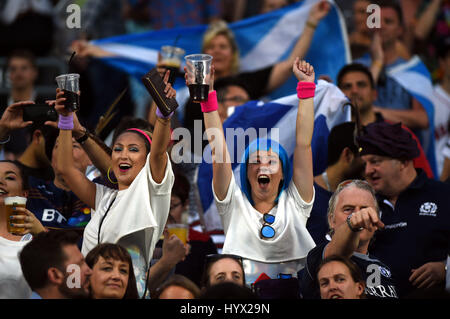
pixel 325 179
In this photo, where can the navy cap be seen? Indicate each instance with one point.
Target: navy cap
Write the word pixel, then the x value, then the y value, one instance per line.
pixel 385 139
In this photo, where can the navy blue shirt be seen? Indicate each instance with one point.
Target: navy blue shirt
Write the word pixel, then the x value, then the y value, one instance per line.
pixel 417 229
pixel 384 289
pixel 55 207
pixel 317 223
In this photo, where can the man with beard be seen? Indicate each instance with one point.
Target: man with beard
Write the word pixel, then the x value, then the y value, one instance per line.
pixel 343 163
pixel 54 267
pixel 356 82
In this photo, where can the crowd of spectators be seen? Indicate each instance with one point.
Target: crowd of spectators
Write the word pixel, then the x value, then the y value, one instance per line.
pixel 102 190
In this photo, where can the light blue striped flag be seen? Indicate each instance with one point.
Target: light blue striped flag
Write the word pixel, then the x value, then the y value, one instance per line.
pixel 276 119
pixel 263 40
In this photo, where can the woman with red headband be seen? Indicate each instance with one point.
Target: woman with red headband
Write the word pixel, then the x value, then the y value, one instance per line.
pixel 134 215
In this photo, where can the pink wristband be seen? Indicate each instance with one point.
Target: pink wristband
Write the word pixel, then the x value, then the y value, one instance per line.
pixel 306 90
pixel 210 105
pixel 65 122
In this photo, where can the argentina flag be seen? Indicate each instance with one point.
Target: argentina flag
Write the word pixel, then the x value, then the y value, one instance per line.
pixel 263 40
pixel 277 120
pixel 415 78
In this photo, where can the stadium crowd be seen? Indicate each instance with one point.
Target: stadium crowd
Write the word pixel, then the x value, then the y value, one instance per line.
pixel 108 212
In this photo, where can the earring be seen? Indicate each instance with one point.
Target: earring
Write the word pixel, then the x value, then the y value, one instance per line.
pixel 109 178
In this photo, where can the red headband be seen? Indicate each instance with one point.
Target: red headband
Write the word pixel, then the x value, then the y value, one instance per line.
pixel 142 132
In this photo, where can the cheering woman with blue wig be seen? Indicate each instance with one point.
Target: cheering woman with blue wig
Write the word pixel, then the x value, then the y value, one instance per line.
pixel 264 219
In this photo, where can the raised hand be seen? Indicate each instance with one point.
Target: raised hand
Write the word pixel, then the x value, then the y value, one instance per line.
pixel 366 218
pixel 12 118
pixel 303 71
pixel 169 90
pixel 319 11
pixel 59 104
pixel 376 48
pixel 174 250
pixel 78 129
pixel 211 78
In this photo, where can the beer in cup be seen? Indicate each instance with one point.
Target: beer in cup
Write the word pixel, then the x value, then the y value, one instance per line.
pixel 179 230
pixel 10 203
pixel 199 73
pixel 171 60
pixel 70 85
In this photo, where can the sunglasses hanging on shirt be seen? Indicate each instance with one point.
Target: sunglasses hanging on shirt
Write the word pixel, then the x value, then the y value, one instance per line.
pixel 267 231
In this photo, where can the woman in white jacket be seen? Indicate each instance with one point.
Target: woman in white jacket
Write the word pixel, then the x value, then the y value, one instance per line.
pixel 134 215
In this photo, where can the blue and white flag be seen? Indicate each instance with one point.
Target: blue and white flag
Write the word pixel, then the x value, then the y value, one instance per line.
pixel 263 40
pixel 415 78
pixel 276 119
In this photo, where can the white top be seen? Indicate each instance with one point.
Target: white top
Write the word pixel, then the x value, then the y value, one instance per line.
pixel 141 210
pixel 441 118
pixel 242 225
pixel 12 283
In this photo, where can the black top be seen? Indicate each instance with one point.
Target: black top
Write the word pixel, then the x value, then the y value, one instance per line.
pixel 57 208
pixel 384 289
pixel 417 229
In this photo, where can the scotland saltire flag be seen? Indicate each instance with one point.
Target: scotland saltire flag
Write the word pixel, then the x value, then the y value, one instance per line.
pixel 415 78
pixel 277 120
pixel 263 40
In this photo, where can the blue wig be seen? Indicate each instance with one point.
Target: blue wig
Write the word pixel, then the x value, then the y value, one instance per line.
pixel 263 144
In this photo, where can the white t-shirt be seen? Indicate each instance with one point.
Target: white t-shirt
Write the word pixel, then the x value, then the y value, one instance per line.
pixel 441 118
pixel 242 225
pixel 141 210
pixel 12 283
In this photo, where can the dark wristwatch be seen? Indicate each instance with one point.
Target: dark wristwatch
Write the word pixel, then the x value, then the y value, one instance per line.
pixel 350 225
pixel 83 138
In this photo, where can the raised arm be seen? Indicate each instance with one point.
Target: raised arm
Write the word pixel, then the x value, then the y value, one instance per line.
pixel 414 118
pixel 12 119
pixel 98 152
pixel 161 138
pixel 221 162
pixel 282 70
pixel 303 167
pixel 75 179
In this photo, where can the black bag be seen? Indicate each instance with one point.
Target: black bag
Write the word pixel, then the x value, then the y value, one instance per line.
pixel 155 86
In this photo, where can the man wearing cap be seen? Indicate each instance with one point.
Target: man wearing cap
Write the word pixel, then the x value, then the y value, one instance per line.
pixel 415 241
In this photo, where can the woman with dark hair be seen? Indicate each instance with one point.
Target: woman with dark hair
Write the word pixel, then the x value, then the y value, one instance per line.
pixel 265 218
pixel 13 182
pixel 112 273
pixel 133 215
